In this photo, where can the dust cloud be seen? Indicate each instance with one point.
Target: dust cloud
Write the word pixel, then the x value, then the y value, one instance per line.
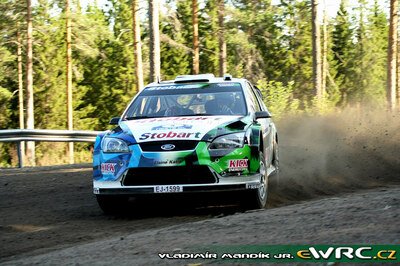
pixel 327 155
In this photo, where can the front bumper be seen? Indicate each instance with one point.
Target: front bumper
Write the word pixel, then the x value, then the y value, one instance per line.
pixel 236 183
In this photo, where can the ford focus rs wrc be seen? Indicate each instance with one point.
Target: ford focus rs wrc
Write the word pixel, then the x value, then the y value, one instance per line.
pixel 194 134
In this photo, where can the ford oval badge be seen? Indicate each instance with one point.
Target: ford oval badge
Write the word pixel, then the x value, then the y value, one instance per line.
pixel 168 147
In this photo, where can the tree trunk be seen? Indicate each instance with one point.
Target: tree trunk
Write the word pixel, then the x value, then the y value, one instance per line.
pixel 20 90
pixel 221 38
pixel 30 120
pixel 196 50
pixel 69 80
pixel 154 40
pixel 324 54
pixel 392 52
pixel 398 68
pixel 137 46
pixel 316 47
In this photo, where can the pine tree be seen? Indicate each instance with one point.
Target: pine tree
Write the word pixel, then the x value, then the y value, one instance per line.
pixel 30 120
pixel 392 53
pixel 255 40
pixel 316 43
pixel 343 51
pixel 106 81
pixel 137 46
pixel 370 56
pixel 298 41
pixel 195 25
pixel 221 38
pixel 154 30
pixel 176 41
pixel 69 78
pixel 208 29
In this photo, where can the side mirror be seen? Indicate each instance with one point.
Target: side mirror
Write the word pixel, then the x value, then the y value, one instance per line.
pixel 114 120
pixel 262 114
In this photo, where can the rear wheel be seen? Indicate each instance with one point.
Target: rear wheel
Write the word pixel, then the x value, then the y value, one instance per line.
pixel 112 204
pixel 257 198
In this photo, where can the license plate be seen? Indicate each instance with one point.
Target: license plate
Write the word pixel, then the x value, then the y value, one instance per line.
pixel 168 189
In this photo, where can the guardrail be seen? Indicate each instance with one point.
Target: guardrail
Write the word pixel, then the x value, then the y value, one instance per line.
pixel 20 135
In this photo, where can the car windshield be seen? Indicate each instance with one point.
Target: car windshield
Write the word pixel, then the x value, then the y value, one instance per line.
pixel 188 100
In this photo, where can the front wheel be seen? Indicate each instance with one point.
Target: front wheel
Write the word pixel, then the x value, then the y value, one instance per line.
pixel 257 198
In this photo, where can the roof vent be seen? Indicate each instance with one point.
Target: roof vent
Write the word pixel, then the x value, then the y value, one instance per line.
pixel 227 77
pixel 194 78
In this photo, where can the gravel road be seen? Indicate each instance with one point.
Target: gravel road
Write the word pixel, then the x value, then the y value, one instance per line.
pixel 367 217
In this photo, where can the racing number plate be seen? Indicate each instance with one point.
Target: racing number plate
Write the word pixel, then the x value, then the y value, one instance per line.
pixel 168 189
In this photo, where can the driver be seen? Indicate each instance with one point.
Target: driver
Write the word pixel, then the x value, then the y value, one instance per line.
pixel 220 105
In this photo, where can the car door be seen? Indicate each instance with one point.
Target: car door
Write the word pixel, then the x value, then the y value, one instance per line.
pixel 266 125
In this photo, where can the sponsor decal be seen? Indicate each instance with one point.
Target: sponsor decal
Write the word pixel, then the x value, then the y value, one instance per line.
pixel 179 87
pixel 170 127
pixel 252 186
pixel 237 165
pixel 108 168
pixel 174 128
pixel 228 84
pixel 183 118
pixel 168 162
pixel 170 135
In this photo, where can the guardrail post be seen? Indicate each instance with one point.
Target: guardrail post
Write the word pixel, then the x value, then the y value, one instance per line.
pixel 20 155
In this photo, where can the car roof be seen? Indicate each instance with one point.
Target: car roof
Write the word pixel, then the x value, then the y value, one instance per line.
pixel 201 78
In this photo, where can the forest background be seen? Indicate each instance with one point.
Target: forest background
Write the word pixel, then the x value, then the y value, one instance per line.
pixel 268 43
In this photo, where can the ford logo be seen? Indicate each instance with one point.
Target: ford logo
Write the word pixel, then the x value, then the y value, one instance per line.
pixel 168 147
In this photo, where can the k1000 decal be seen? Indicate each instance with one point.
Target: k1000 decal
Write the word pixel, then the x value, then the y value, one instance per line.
pixel 173 128
pixel 237 165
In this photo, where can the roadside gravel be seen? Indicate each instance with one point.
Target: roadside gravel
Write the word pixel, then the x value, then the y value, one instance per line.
pixel 365 217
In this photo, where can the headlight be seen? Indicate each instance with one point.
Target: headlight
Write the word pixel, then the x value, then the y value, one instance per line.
pixel 114 145
pixel 230 141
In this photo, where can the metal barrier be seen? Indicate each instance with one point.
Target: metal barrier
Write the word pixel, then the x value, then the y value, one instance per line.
pixel 20 135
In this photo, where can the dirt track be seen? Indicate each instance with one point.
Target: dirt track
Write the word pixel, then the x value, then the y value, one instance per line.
pixel 340 183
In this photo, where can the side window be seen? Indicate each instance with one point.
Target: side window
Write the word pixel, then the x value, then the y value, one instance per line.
pixel 259 99
pixel 254 104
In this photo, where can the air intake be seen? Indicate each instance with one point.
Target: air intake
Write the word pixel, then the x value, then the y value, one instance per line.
pixel 227 77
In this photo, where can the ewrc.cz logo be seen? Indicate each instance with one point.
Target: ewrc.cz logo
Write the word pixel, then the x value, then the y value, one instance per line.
pixel 338 253
pixel 169 135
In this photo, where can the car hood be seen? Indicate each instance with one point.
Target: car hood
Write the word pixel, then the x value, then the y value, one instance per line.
pixel 181 128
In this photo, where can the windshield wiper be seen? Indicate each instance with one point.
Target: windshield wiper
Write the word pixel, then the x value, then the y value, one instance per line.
pixel 198 115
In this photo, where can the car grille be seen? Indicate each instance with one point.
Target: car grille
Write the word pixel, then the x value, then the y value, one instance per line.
pixel 180 145
pixel 173 175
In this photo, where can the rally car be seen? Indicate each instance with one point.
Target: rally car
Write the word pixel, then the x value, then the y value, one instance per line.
pixel 194 134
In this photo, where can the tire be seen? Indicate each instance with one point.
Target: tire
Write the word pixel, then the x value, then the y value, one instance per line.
pixel 275 156
pixel 112 204
pixel 275 176
pixel 257 198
